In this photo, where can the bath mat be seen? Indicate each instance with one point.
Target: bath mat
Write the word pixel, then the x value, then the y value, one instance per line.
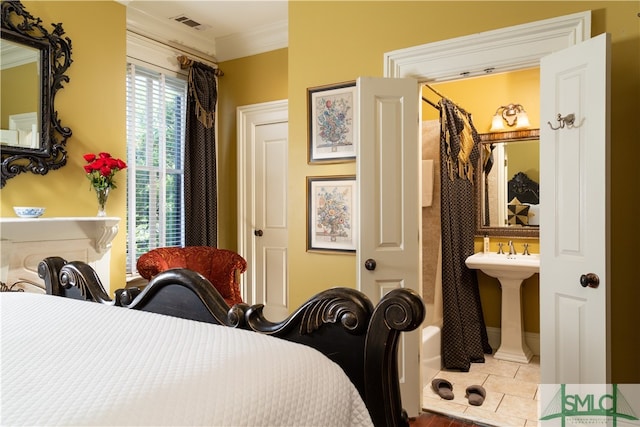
pixel 476 395
pixel 443 388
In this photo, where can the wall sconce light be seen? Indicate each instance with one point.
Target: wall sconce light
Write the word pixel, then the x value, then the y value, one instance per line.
pixel 512 114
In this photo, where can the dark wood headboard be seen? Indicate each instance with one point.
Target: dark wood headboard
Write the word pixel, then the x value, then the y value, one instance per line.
pixel 342 323
pixel 524 188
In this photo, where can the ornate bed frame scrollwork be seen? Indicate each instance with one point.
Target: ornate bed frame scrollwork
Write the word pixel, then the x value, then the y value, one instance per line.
pixel 342 323
pixel 524 188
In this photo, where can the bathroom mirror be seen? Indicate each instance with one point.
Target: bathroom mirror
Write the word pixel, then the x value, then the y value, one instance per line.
pixel 34 61
pixel 507 184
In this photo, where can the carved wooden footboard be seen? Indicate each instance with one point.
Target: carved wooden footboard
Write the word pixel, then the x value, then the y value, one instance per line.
pixel 340 322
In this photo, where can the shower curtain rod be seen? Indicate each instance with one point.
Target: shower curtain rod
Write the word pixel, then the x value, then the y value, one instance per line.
pixel 436 106
pixel 437 93
pixel 434 91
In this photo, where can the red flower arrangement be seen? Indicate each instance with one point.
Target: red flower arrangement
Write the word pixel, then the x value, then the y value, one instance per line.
pixel 101 170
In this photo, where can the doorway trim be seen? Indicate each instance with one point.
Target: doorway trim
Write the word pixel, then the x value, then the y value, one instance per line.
pixel 248 117
pixel 496 51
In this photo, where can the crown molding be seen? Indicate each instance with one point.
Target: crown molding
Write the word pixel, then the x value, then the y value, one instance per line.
pixel 14 55
pixel 169 33
pixel 263 39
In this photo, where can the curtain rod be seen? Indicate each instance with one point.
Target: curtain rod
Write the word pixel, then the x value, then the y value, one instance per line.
pixel 177 49
pixel 186 62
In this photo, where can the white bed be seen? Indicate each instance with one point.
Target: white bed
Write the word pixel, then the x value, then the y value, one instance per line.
pixel 69 362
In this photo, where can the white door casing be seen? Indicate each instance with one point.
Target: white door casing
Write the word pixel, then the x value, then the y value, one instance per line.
pixel 513 48
pixel 506 49
pixel 262 205
pixel 389 202
pixel 574 232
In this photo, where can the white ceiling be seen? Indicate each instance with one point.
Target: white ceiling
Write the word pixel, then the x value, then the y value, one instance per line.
pixel 229 29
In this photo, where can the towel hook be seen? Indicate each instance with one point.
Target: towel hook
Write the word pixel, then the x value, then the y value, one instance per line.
pixel 568 120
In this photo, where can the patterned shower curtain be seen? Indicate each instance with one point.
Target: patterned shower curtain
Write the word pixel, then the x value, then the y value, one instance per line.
pixel 464 334
pixel 200 183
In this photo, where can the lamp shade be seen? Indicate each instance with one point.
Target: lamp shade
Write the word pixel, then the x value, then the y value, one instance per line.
pixel 497 123
pixel 522 121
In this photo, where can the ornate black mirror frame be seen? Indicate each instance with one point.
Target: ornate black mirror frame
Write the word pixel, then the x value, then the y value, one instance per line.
pixel 504 231
pixel 19 26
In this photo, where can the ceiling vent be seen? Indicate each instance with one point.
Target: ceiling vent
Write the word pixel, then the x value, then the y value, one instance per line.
pixel 183 19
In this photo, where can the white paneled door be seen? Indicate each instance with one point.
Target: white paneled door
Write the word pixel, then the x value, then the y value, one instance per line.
pixel 574 226
pixel 387 168
pixel 270 233
pixel 262 189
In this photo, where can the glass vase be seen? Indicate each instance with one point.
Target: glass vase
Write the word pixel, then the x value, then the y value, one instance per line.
pixel 102 194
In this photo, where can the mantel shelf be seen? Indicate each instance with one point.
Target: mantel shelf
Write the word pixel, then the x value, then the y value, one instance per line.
pixel 24 242
pixel 102 230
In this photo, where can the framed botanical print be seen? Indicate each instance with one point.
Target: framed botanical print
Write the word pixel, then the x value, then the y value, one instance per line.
pixel 332 122
pixel 332 214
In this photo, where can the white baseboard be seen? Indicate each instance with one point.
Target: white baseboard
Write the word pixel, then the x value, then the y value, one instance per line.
pixel 531 338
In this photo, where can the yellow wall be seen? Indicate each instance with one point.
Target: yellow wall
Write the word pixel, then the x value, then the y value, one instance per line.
pixel 524 157
pixel 92 104
pixel 481 96
pixel 251 80
pixel 338 41
pixel 19 91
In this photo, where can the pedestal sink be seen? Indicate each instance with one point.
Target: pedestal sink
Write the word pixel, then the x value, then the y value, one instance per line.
pixel 510 270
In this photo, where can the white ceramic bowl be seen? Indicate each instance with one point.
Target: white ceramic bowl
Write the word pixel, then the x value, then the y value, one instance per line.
pixel 28 211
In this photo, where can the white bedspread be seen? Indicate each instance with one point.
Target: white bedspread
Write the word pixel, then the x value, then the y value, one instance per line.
pixel 69 362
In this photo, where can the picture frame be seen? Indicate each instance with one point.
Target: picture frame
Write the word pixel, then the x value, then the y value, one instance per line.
pixel 332 123
pixel 332 214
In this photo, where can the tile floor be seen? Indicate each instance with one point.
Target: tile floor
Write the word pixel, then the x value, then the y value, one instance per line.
pixel 512 393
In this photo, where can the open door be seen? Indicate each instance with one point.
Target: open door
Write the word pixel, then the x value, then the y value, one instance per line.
pixel 387 170
pixel 574 233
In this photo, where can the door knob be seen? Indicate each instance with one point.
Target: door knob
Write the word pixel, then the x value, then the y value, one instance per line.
pixel 370 264
pixel 590 279
pixel 258 233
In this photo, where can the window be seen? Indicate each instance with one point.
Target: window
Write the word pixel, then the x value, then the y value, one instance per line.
pixel 156 110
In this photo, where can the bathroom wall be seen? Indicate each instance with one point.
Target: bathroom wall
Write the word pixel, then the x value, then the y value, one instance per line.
pixel 431 272
pixel 481 97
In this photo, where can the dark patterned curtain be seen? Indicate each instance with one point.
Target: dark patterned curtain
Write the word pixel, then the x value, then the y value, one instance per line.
pixel 464 334
pixel 200 186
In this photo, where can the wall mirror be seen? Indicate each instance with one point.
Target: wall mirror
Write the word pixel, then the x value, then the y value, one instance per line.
pixel 507 184
pixel 33 62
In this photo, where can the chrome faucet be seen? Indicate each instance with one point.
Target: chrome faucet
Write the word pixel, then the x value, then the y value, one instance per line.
pixel 512 250
pixel 526 249
pixel 500 251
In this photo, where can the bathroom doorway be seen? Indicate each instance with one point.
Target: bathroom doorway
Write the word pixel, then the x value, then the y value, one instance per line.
pixel 512 386
pixel 471 56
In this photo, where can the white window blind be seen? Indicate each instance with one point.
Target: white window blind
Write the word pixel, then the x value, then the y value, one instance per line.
pixel 156 110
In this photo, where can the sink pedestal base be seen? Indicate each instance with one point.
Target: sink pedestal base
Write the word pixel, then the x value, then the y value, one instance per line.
pixel 510 270
pixel 512 344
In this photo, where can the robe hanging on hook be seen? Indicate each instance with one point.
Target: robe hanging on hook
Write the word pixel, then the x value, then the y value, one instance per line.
pixel 567 120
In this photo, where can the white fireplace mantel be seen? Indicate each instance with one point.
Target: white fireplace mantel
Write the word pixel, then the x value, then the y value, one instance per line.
pixel 24 242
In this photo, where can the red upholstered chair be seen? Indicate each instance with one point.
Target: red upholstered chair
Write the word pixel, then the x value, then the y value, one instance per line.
pixel 221 267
